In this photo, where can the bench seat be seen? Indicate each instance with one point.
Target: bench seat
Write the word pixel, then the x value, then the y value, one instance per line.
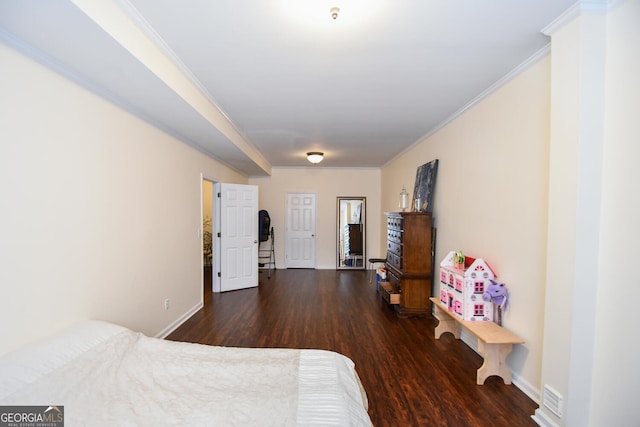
pixel 494 342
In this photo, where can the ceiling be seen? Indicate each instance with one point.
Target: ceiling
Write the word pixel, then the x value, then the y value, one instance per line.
pixel 258 83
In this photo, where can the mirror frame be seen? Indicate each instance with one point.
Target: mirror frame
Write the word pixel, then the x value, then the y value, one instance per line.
pixel 358 262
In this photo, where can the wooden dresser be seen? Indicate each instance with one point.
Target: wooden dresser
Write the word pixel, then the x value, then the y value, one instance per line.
pixel 409 263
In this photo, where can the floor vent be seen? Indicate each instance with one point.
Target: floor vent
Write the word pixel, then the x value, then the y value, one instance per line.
pixel 552 400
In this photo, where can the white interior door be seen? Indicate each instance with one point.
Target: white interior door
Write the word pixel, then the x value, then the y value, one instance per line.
pixel 300 232
pixel 238 241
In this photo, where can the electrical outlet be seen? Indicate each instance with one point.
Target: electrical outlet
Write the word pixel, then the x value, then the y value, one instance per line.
pixel 167 303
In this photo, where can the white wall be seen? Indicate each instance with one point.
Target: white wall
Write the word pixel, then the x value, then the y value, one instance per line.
pixel 327 183
pixel 490 199
pixel 576 141
pixel 99 212
pixel 589 342
pixel 616 374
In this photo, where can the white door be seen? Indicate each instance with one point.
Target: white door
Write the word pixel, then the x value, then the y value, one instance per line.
pixel 300 232
pixel 238 241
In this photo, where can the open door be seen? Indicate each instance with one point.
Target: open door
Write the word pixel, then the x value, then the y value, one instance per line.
pixel 237 238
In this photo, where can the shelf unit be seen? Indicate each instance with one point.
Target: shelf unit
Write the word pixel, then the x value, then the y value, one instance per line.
pixel 409 263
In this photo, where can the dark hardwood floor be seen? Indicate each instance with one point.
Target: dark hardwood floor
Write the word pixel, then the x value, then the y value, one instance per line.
pixel 411 379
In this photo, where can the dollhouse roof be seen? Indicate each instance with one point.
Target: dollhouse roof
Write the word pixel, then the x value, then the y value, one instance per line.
pixel 480 265
pixel 471 264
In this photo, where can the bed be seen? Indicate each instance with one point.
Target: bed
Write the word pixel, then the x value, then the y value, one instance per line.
pixel 105 375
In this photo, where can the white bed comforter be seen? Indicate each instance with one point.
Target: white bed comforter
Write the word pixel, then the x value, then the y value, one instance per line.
pixel 106 375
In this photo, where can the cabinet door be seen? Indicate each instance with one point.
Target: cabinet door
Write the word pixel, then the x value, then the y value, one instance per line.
pixel 416 244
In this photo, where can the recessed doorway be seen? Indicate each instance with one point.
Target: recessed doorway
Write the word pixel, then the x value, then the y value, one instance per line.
pixel 207 235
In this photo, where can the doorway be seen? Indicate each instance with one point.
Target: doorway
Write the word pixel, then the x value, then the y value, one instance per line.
pixel 207 235
pixel 300 230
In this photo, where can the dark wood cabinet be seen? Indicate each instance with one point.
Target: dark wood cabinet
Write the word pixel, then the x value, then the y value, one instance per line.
pixel 409 262
pixel 353 234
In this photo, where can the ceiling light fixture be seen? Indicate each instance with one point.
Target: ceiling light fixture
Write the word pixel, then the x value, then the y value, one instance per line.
pixel 334 12
pixel 315 157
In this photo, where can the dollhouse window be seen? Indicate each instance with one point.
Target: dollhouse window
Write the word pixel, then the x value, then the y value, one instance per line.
pixel 478 287
pixel 478 309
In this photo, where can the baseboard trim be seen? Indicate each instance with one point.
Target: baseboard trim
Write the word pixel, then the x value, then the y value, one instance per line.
pixel 542 419
pixel 178 322
pixel 526 387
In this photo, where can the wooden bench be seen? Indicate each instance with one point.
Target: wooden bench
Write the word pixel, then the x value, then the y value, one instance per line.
pixel 494 342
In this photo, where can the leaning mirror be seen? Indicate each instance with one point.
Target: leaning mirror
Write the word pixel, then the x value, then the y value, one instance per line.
pixel 351 232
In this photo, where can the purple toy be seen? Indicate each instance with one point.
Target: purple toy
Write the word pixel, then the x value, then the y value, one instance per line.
pixel 498 294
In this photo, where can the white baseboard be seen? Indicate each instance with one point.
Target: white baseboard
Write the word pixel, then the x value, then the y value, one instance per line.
pixel 176 324
pixel 526 387
pixel 542 419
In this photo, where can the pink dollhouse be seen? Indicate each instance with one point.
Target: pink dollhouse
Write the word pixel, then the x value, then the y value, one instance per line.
pixel 461 289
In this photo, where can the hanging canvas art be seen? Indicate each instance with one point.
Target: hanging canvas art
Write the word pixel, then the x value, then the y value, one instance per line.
pixel 424 187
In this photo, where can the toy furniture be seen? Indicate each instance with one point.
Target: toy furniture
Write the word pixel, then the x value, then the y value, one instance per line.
pixel 461 290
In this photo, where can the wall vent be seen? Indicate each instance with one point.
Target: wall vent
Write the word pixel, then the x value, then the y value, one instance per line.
pixel 552 400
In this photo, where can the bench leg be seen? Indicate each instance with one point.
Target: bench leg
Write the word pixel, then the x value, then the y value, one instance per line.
pixel 446 324
pixel 495 361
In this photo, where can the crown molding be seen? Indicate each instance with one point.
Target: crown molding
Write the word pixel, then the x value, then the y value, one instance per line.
pixel 528 63
pixel 136 17
pixel 56 66
pixel 153 35
pixel 581 7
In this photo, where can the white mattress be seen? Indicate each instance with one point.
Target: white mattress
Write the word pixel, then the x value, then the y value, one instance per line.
pixel 107 375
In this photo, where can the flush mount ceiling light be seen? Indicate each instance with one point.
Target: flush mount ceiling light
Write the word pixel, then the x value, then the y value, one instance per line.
pixel 312 15
pixel 323 15
pixel 315 156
